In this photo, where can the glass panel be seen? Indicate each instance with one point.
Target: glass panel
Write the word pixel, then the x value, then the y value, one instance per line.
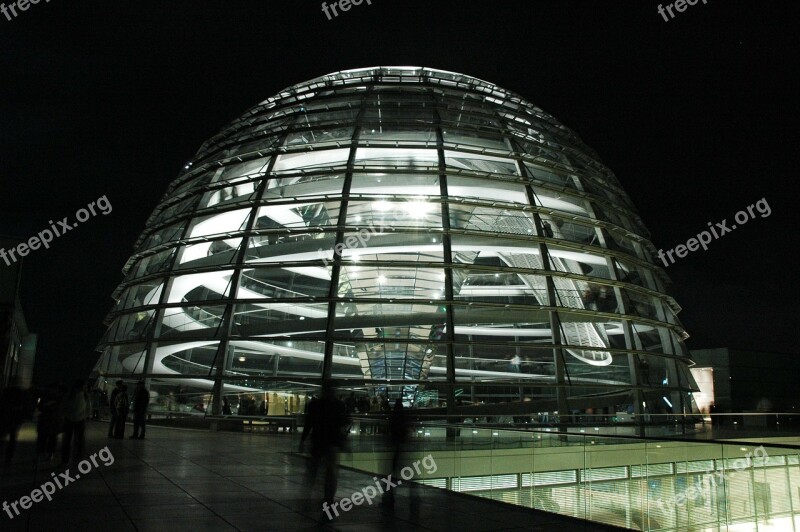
pixel 394 184
pixel 635 274
pixel 280 319
pixel 182 207
pixel 283 247
pixel 550 177
pixel 196 358
pixel 171 233
pixel 377 133
pixel 230 195
pixel 132 326
pixel 385 282
pixel 641 304
pixel 557 227
pixel 206 286
pixel 214 252
pixel 460 138
pixel 236 171
pixel 332 135
pixel 479 163
pixel 398 320
pixel 414 212
pixel 294 216
pixel 299 282
pixel 559 202
pixel 192 321
pixel 157 262
pixel 486 190
pixel 218 224
pixel 397 158
pixel 473 360
pixel 578 262
pixel 377 358
pixel 122 359
pixel 491 220
pixel 313 159
pixel 374 244
pixel 499 287
pixel 304 185
pixel 252 142
pixel 148 293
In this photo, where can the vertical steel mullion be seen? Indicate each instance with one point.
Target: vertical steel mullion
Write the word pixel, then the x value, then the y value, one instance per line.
pixel 169 276
pixel 633 360
pixel 559 361
pixel 224 331
pixel 448 264
pixel 336 264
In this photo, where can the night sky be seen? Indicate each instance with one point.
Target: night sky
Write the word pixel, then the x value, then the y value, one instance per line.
pixel 698 118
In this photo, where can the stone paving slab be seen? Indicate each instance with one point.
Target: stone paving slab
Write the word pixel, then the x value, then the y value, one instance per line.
pixel 191 480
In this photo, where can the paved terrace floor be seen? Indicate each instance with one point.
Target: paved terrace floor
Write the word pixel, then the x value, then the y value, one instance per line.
pixel 190 480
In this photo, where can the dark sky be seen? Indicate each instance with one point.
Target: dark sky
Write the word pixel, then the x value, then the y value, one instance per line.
pixel 698 117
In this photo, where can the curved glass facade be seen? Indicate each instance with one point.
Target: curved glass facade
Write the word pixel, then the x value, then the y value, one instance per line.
pixel 403 230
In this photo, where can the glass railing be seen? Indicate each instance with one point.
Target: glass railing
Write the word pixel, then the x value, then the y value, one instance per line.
pixel 643 484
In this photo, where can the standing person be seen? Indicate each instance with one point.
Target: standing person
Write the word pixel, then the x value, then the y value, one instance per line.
pixel 141 399
pixel 363 408
pixel 121 406
pixel 13 410
pixel 385 406
pixel 95 403
pixel 50 421
pixel 327 423
pixel 399 432
pixel 112 425
pixel 77 409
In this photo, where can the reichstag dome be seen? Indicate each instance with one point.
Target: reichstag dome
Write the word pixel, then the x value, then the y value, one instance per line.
pixel 400 231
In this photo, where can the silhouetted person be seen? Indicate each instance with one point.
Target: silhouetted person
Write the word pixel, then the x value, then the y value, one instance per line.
pixel 226 407
pixel 120 405
pixel 547 229
pixel 13 411
pixel 363 404
pixel 96 400
pixel 50 421
pixel 141 400
pixel 112 425
pixel 77 407
pixel 644 370
pixel 399 432
pixel 350 403
pixel 327 423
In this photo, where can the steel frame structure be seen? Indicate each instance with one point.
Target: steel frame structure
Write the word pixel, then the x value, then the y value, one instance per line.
pixel 402 229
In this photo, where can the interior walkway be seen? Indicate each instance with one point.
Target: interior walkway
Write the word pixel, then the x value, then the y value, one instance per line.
pixel 189 480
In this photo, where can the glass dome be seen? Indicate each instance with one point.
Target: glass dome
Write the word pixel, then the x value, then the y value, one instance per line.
pixel 407 231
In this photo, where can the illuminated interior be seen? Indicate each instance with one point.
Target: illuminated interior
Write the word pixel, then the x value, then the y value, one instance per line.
pixel 404 230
